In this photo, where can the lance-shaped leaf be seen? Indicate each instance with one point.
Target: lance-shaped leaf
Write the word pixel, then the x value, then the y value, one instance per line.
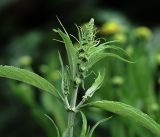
pixel 95 86
pixel 84 125
pixel 28 77
pixel 97 57
pixel 128 112
pixel 97 124
pixel 71 52
pixel 102 48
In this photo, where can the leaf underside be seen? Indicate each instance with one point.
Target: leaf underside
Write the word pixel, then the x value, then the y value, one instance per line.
pixel 28 77
pixel 128 112
pixel 96 85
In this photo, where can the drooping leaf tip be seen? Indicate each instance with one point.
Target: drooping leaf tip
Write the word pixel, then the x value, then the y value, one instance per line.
pixel 55 30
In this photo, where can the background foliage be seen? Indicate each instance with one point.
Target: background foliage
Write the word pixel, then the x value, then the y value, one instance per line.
pixel 26 41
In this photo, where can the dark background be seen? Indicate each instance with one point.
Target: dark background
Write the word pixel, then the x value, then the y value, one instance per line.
pixel 18 16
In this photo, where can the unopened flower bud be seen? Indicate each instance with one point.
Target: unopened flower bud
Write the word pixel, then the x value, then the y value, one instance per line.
pixel 82 68
pixel 81 55
pixel 78 81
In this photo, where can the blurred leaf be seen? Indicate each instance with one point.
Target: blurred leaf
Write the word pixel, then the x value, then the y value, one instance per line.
pixel 57 130
pixel 5 3
pixel 24 92
pixel 48 103
pixel 38 115
pixel 30 41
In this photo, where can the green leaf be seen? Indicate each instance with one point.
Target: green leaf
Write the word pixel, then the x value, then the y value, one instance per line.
pixel 97 124
pixel 84 125
pixel 102 47
pixel 62 70
pixel 71 52
pixel 28 77
pixel 118 57
pixel 79 29
pixel 62 66
pixel 97 57
pixel 62 26
pixel 57 130
pixel 95 86
pixel 128 112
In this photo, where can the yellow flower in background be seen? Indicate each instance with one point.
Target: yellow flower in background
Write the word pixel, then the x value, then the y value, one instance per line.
pixel 44 68
pixel 130 50
pixel 25 60
pixel 110 27
pixel 154 107
pixel 118 80
pixel 143 32
pixel 121 37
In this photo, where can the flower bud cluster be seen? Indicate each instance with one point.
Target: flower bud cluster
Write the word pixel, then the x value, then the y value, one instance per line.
pixel 87 40
pixel 88 34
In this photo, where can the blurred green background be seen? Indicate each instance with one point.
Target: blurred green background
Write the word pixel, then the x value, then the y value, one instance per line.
pixel 26 41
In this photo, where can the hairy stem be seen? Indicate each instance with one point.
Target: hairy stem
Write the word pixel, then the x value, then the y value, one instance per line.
pixel 72 113
pixel 71 117
pixel 74 98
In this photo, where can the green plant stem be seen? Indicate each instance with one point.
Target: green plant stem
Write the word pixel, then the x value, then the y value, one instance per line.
pixel 65 96
pixel 71 117
pixel 72 113
pixel 66 102
pixel 74 98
